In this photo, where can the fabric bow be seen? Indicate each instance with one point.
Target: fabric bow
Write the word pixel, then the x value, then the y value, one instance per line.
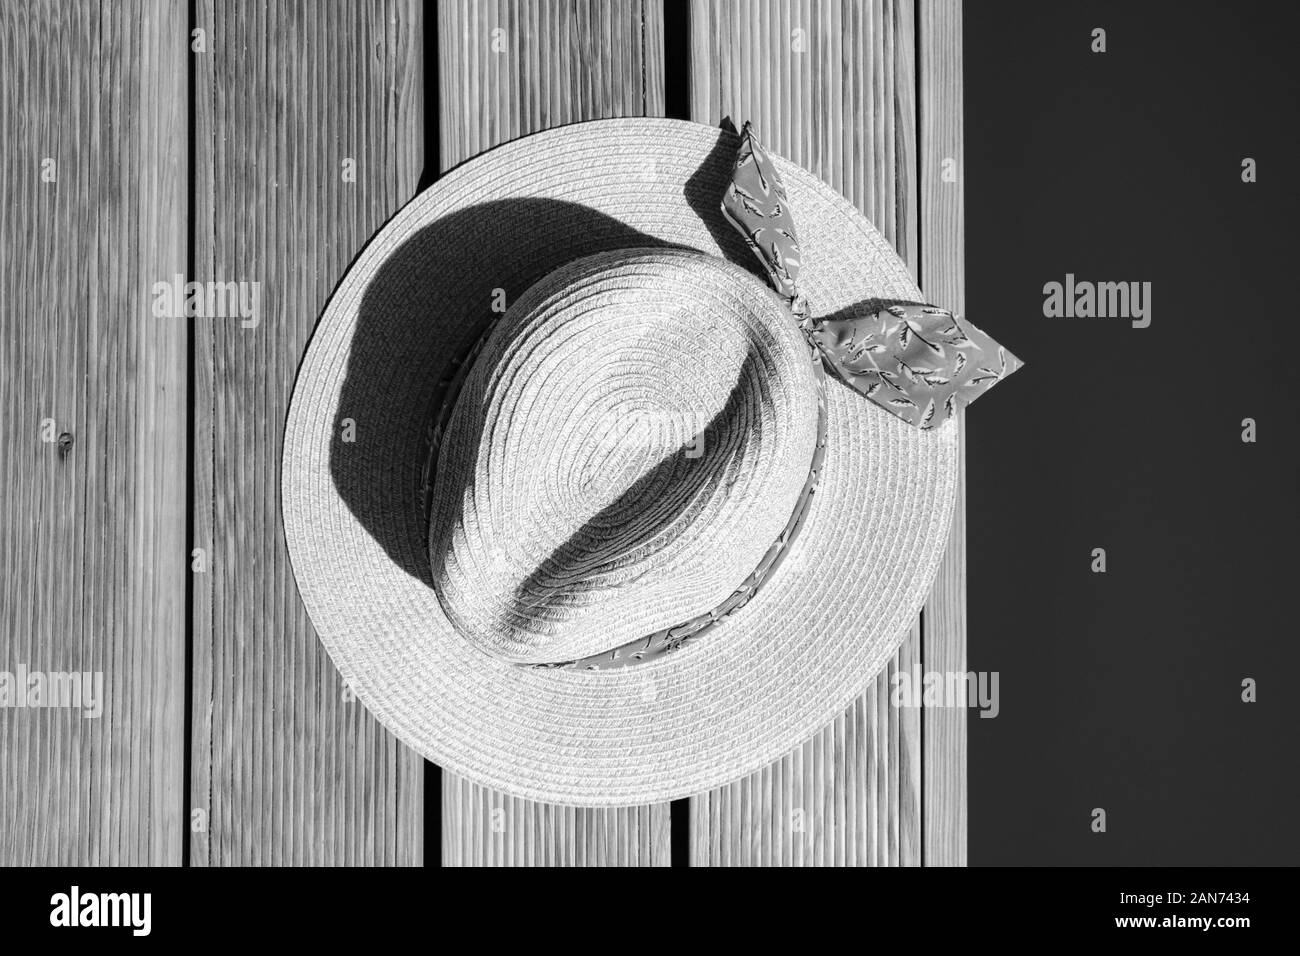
pixel 915 360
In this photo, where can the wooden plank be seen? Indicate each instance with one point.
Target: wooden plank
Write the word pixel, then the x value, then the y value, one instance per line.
pixel 483 827
pixel 512 67
pixel 942 275
pixel 508 68
pixel 287 767
pixel 93 519
pixel 830 85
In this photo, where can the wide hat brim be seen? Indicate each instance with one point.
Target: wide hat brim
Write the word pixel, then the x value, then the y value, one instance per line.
pixel 750 690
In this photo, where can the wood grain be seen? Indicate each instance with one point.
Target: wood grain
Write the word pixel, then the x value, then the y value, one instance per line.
pixel 93 565
pixel 508 68
pixel 942 275
pixel 287 768
pixel 832 85
pixel 482 827
pixel 512 67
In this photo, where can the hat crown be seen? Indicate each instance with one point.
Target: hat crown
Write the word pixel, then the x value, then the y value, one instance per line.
pixel 631 439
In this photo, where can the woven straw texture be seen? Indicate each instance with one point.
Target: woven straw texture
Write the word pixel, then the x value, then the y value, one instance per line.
pixel 357 439
pixel 679 407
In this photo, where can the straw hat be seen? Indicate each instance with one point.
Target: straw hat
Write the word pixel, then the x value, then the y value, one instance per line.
pixel 590 503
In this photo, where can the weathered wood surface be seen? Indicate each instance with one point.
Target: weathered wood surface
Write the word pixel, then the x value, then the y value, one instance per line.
pixel 92 520
pixel 941 272
pixel 286 767
pixel 834 86
pixel 508 68
pixel 484 827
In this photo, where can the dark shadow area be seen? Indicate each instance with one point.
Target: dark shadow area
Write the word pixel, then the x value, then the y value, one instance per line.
pixel 432 166
pixel 432 104
pixel 402 356
pixel 1127 682
pixel 677 56
pixel 704 191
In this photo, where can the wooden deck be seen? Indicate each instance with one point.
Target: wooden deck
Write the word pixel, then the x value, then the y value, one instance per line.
pixel 140 530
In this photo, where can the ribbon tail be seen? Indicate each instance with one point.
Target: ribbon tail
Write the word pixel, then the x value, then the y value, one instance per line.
pixel 916 361
pixel 755 204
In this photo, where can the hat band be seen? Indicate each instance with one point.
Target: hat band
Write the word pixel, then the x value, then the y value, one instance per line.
pixel 668 639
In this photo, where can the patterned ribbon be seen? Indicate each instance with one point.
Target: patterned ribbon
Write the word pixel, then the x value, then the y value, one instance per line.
pixel 916 361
